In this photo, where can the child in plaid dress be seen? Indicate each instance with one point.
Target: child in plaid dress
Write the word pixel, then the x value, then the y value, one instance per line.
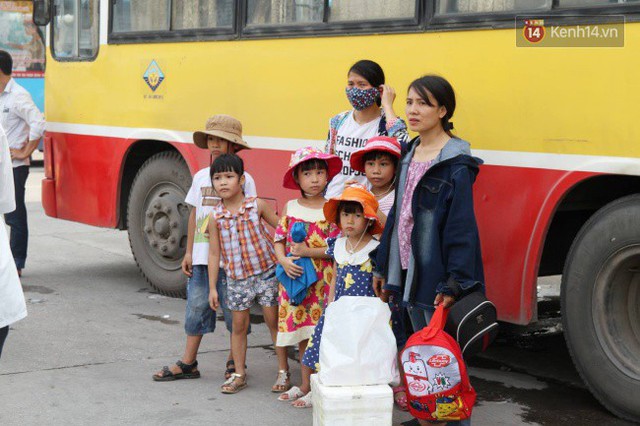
pixel 237 234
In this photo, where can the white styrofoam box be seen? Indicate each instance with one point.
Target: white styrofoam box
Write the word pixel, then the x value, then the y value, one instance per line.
pixel 351 405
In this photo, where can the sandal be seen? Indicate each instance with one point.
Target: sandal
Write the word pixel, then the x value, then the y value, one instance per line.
pixel 282 383
pixel 188 371
pixel 232 385
pixel 305 400
pixel 291 395
pixel 400 400
pixel 230 369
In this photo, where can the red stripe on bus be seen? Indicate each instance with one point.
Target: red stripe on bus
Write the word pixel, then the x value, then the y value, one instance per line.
pixel 514 205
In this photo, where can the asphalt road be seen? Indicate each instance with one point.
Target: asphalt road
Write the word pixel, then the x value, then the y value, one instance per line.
pixel 95 333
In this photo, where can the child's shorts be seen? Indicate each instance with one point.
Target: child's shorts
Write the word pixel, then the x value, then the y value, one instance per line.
pixel 221 286
pixel 261 287
pixel 199 318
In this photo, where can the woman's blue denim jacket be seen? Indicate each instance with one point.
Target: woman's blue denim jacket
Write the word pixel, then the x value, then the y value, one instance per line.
pixel 445 245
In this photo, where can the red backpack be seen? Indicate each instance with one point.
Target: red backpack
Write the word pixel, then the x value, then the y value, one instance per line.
pixel 435 374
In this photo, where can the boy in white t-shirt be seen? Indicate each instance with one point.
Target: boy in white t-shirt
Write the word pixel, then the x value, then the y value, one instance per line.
pixel 223 135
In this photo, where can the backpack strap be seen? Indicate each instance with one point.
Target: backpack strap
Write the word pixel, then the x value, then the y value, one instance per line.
pixel 438 320
pixel 336 122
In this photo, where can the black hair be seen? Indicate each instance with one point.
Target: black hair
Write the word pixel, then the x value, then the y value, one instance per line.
pixel 227 163
pixel 6 62
pixel 370 71
pixel 305 166
pixel 443 93
pixel 378 155
pixel 348 207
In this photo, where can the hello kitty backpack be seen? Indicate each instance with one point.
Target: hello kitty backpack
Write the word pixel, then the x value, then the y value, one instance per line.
pixel 435 375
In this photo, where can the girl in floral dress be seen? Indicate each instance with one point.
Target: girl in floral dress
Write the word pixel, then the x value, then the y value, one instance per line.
pixel 309 171
pixel 356 212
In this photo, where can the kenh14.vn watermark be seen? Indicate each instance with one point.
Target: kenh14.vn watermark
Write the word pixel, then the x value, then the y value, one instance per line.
pixel 599 31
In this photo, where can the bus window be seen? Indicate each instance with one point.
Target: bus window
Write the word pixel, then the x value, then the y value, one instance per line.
pixel 278 12
pixel 584 3
pixel 484 6
pixel 75 29
pixel 193 14
pixel 365 10
pixel 141 15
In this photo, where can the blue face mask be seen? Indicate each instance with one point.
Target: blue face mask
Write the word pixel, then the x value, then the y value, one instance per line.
pixel 362 98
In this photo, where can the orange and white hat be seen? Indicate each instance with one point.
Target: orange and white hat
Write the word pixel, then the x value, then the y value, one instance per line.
pixel 361 195
pixel 377 143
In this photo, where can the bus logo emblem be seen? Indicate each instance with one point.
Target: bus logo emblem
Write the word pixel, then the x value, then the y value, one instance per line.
pixel 153 76
pixel 533 30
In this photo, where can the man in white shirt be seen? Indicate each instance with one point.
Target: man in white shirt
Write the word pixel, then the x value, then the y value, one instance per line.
pixel 12 306
pixel 24 126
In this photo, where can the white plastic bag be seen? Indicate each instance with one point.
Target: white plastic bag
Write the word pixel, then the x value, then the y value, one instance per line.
pixel 358 346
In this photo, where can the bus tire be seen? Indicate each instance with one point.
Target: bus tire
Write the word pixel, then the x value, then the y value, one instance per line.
pixel 600 296
pixel 157 220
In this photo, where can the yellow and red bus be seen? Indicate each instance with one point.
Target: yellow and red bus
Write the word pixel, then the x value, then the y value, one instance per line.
pixel 128 81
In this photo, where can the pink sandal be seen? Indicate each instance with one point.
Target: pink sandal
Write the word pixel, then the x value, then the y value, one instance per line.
pixel 400 400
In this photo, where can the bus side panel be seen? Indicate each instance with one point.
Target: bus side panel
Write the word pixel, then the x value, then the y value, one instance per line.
pixel 87 191
pixel 267 167
pixel 514 207
pixel 92 188
pixel 513 217
pixel 87 174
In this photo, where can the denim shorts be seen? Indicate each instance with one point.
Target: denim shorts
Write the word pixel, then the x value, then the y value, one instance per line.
pixel 200 318
pixel 262 287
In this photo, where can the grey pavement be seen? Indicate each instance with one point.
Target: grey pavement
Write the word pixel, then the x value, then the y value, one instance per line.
pixel 95 334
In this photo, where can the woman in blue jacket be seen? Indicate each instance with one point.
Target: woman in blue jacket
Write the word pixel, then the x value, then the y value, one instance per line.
pixel 430 250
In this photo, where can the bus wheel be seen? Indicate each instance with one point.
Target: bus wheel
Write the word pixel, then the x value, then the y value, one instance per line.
pixel 601 305
pixel 157 218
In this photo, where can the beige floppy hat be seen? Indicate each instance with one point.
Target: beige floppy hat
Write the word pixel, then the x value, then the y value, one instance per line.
pixel 223 126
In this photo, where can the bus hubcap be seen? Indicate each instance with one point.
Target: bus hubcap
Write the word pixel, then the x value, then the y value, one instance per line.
pixel 616 309
pixel 165 226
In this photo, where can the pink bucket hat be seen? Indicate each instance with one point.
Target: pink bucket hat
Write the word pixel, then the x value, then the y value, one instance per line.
pixel 377 143
pixel 334 164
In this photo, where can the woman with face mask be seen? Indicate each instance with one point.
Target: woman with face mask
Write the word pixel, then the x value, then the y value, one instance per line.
pixel 372 115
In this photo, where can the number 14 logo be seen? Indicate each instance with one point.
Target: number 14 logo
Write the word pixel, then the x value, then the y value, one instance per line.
pixel 533 30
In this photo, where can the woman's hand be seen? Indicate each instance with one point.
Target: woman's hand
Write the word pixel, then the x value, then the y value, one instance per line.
pixel 446 301
pixel 385 295
pixel 378 282
pixel 387 96
pixel 292 270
